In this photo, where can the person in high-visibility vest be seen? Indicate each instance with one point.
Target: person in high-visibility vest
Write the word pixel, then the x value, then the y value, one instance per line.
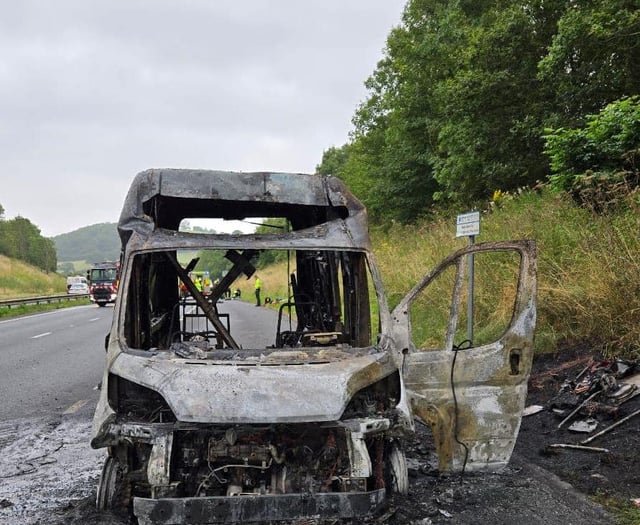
pixel 258 286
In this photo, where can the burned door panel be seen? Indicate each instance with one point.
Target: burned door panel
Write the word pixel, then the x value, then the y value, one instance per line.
pixel 471 392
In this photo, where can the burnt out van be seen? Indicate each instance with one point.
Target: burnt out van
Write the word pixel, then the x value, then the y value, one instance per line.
pixel 214 411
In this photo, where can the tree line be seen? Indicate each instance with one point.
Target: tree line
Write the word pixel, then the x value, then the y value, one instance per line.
pixel 474 96
pixel 21 239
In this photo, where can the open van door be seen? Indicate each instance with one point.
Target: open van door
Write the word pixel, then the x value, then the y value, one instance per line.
pixel 471 393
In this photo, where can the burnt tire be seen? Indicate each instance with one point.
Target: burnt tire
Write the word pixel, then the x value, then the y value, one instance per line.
pixel 397 473
pixel 113 488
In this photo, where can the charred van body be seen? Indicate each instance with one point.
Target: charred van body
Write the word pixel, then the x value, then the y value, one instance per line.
pixel 208 420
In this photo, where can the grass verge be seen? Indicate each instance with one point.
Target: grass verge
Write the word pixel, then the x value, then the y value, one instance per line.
pixel 26 309
pixel 18 279
pixel 624 511
pixel 588 266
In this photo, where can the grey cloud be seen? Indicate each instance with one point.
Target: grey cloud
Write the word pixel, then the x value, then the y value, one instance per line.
pixel 93 91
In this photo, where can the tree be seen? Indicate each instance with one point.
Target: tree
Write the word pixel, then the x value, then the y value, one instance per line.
pixel 458 105
pixel 333 160
pixel 20 239
pixel 390 166
pixel 593 59
pixel 94 243
pixel 67 268
pixel 270 226
pixel 493 108
pixel 214 262
pixel 455 109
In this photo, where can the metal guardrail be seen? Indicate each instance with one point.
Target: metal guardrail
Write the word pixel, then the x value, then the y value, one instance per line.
pixel 10 303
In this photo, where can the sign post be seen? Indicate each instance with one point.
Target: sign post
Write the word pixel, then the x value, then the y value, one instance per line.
pixel 468 225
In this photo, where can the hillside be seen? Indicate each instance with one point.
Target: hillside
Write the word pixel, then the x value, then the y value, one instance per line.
pixel 98 242
pixel 19 279
pixel 78 249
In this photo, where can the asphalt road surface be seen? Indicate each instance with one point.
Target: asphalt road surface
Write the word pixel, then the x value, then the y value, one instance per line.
pixel 50 367
pixel 51 362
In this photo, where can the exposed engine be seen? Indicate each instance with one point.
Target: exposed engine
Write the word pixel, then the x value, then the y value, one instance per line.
pixel 278 460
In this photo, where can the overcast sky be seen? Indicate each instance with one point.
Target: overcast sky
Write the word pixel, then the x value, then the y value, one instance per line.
pixel 92 92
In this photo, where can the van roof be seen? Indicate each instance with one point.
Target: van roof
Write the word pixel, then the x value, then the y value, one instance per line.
pixel 162 198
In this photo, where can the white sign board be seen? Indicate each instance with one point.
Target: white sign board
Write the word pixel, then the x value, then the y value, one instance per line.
pixel 468 224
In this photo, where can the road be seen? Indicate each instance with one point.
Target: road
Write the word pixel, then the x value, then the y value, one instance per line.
pixel 51 362
pixel 50 365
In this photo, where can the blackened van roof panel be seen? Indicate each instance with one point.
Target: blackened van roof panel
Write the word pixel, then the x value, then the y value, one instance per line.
pixel 163 197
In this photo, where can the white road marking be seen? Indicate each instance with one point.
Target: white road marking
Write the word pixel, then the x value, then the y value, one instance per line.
pixel 76 406
pixel 94 319
pixel 41 335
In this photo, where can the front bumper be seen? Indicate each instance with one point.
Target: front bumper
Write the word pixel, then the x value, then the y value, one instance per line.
pixel 257 508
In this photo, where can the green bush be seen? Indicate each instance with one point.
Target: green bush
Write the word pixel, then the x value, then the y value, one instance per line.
pixel 598 162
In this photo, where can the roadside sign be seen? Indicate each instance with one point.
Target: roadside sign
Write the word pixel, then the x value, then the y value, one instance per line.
pixel 468 224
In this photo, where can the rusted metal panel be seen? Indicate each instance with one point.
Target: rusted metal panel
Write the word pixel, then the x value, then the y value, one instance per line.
pixel 162 198
pixel 158 467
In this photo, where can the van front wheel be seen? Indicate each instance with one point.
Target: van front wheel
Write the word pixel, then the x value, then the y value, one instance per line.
pixel 114 488
pixel 397 472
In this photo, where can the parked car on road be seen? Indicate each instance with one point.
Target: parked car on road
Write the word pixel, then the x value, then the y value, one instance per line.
pixel 78 289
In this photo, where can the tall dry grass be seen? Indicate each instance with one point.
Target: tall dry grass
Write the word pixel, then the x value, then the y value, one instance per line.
pixel 18 279
pixel 588 266
pixel 407 253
